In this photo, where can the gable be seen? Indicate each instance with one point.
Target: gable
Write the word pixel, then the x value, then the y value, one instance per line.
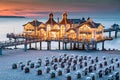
pixel 84 28
pixel 28 26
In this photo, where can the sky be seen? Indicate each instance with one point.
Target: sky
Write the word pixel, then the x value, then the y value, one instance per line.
pixel 41 8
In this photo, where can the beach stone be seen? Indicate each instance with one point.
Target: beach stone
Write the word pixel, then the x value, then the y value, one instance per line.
pixel 22 66
pixel 90 69
pixel 85 71
pixel 94 67
pixel 28 62
pixel 78 75
pixel 106 71
pixel 96 59
pixel 68 76
pixel 62 65
pixel 32 65
pixel 89 57
pixel 48 69
pixel 105 63
pixel 39 72
pixel 117 77
pixel 100 74
pixel 65 55
pixel 37 65
pixel 55 66
pixel 26 70
pixel 67 70
pixel 110 77
pixel 14 66
pixel 116 59
pixel 110 70
pixel 111 61
pixel 92 75
pixel 81 66
pixel 118 64
pixel 20 63
pixel 60 59
pixel 85 57
pixel 101 65
pixel 52 74
pixel 104 58
pixel 39 62
pixel 88 78
pixel 85 63
pixel 55 60
pixel 75 61
pixel 92 61
pixel 59 72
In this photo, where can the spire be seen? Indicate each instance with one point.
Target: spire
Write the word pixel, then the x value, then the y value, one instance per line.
pixel 89 19
pixel 51 20
pixel 51 15
pixel 64 19
pixel 64 15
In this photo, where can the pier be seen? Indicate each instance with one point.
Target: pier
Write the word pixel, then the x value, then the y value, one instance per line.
pixel 82 34
pixel 74 44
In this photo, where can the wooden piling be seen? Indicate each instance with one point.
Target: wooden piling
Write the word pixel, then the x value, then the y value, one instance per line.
pixel 25 47
pixel 70 45
pixel 59 45
pixel 116 33
pixel 0 51
pixel 109 34
pixel 40 45
pixel 103 45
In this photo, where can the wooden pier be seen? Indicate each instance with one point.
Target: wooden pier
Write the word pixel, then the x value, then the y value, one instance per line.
pixel 74 44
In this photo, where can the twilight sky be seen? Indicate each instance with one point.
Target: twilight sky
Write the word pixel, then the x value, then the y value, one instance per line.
pixel 43 7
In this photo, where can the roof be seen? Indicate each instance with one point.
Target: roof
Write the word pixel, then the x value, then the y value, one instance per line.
pixel 51 20
pixel 90 23
pixel 64 21
pixel 71 29
pixel 35 23
pixel 74 21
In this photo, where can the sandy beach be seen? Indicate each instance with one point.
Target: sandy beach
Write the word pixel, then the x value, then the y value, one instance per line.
pixel 15 56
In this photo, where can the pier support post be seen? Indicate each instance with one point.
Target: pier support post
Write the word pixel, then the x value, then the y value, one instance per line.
pixel 65 46
pixel 78 45
pixel 109 34
pixel 74 45
pixel 103 45
pixel 0 51
pixel 83 47
pixel 35 45
pixel 40 45
pixel 116 33
pixel 30 46
pixel 70 45
pixel 25 47
pixel 59 45
pixel 15 44
pixel 48 45
pixel 95 46
pixel 87 47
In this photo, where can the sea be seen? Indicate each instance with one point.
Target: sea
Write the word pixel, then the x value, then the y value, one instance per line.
pixel 15 25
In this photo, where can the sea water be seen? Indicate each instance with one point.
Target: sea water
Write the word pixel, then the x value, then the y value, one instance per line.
pixel 15 25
